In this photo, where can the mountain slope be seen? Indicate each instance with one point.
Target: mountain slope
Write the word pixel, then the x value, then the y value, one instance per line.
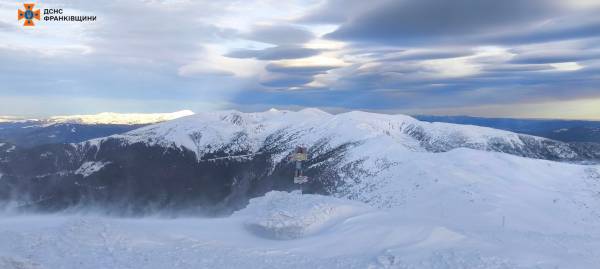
pixel 179 164
pixel 248 131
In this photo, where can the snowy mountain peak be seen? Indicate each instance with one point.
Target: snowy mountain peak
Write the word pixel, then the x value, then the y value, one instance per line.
pixel 120 118
pixel 314 111
pixel 234 131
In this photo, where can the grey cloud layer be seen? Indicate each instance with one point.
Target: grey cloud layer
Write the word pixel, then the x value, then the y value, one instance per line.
pixel 395 39
pixel 413 22
pixel 135 50
pixel 396 53
pixel 428 55
pixel 279 34
pixel 556 56
pixel 275 53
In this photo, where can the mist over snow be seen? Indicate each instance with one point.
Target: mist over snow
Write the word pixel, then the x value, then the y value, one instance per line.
pixel 291 230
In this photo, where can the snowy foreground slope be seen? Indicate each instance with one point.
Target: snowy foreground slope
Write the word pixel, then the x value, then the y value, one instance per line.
pixel 291 230
pixel 459 209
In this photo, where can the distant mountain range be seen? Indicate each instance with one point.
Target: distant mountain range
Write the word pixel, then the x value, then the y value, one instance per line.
pixel 75 129
pixel 561 130
pixel 79 128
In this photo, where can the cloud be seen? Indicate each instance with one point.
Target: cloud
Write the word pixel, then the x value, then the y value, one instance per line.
pixel 275 53
pixel 7 27
pixel 300 69
pixel 299 72
pixel 290 76
pixel 484 90
pixel 468 22
pixel 285 81
pixel 149 50
pixel 335 11
pixel 429 54
pixel 342 54
pixel 580 26
pixel 279 34
pixel 514 68
pixel 195 69
pixel 418 21
pixel 170 39
pixel 555 56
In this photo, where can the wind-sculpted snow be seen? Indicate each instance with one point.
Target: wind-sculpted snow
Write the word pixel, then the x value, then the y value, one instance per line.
pixel 490 187
pixel 281 215
pixel 336 233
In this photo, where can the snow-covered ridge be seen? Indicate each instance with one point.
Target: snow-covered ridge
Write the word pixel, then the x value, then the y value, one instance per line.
pixel 118 118
pixel 103 118
pixel 216 130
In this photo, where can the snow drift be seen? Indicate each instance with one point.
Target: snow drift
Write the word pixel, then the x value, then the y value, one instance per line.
pixel 324 232
pixel 282 215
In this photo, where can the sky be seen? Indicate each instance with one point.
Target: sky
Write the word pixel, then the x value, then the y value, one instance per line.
pixel 510 58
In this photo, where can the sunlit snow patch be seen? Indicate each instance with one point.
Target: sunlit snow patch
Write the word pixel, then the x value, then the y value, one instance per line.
pixel 283 215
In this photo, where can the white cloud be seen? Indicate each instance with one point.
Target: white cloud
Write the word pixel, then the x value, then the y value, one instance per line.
pixel 212 62
pixel 570 66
